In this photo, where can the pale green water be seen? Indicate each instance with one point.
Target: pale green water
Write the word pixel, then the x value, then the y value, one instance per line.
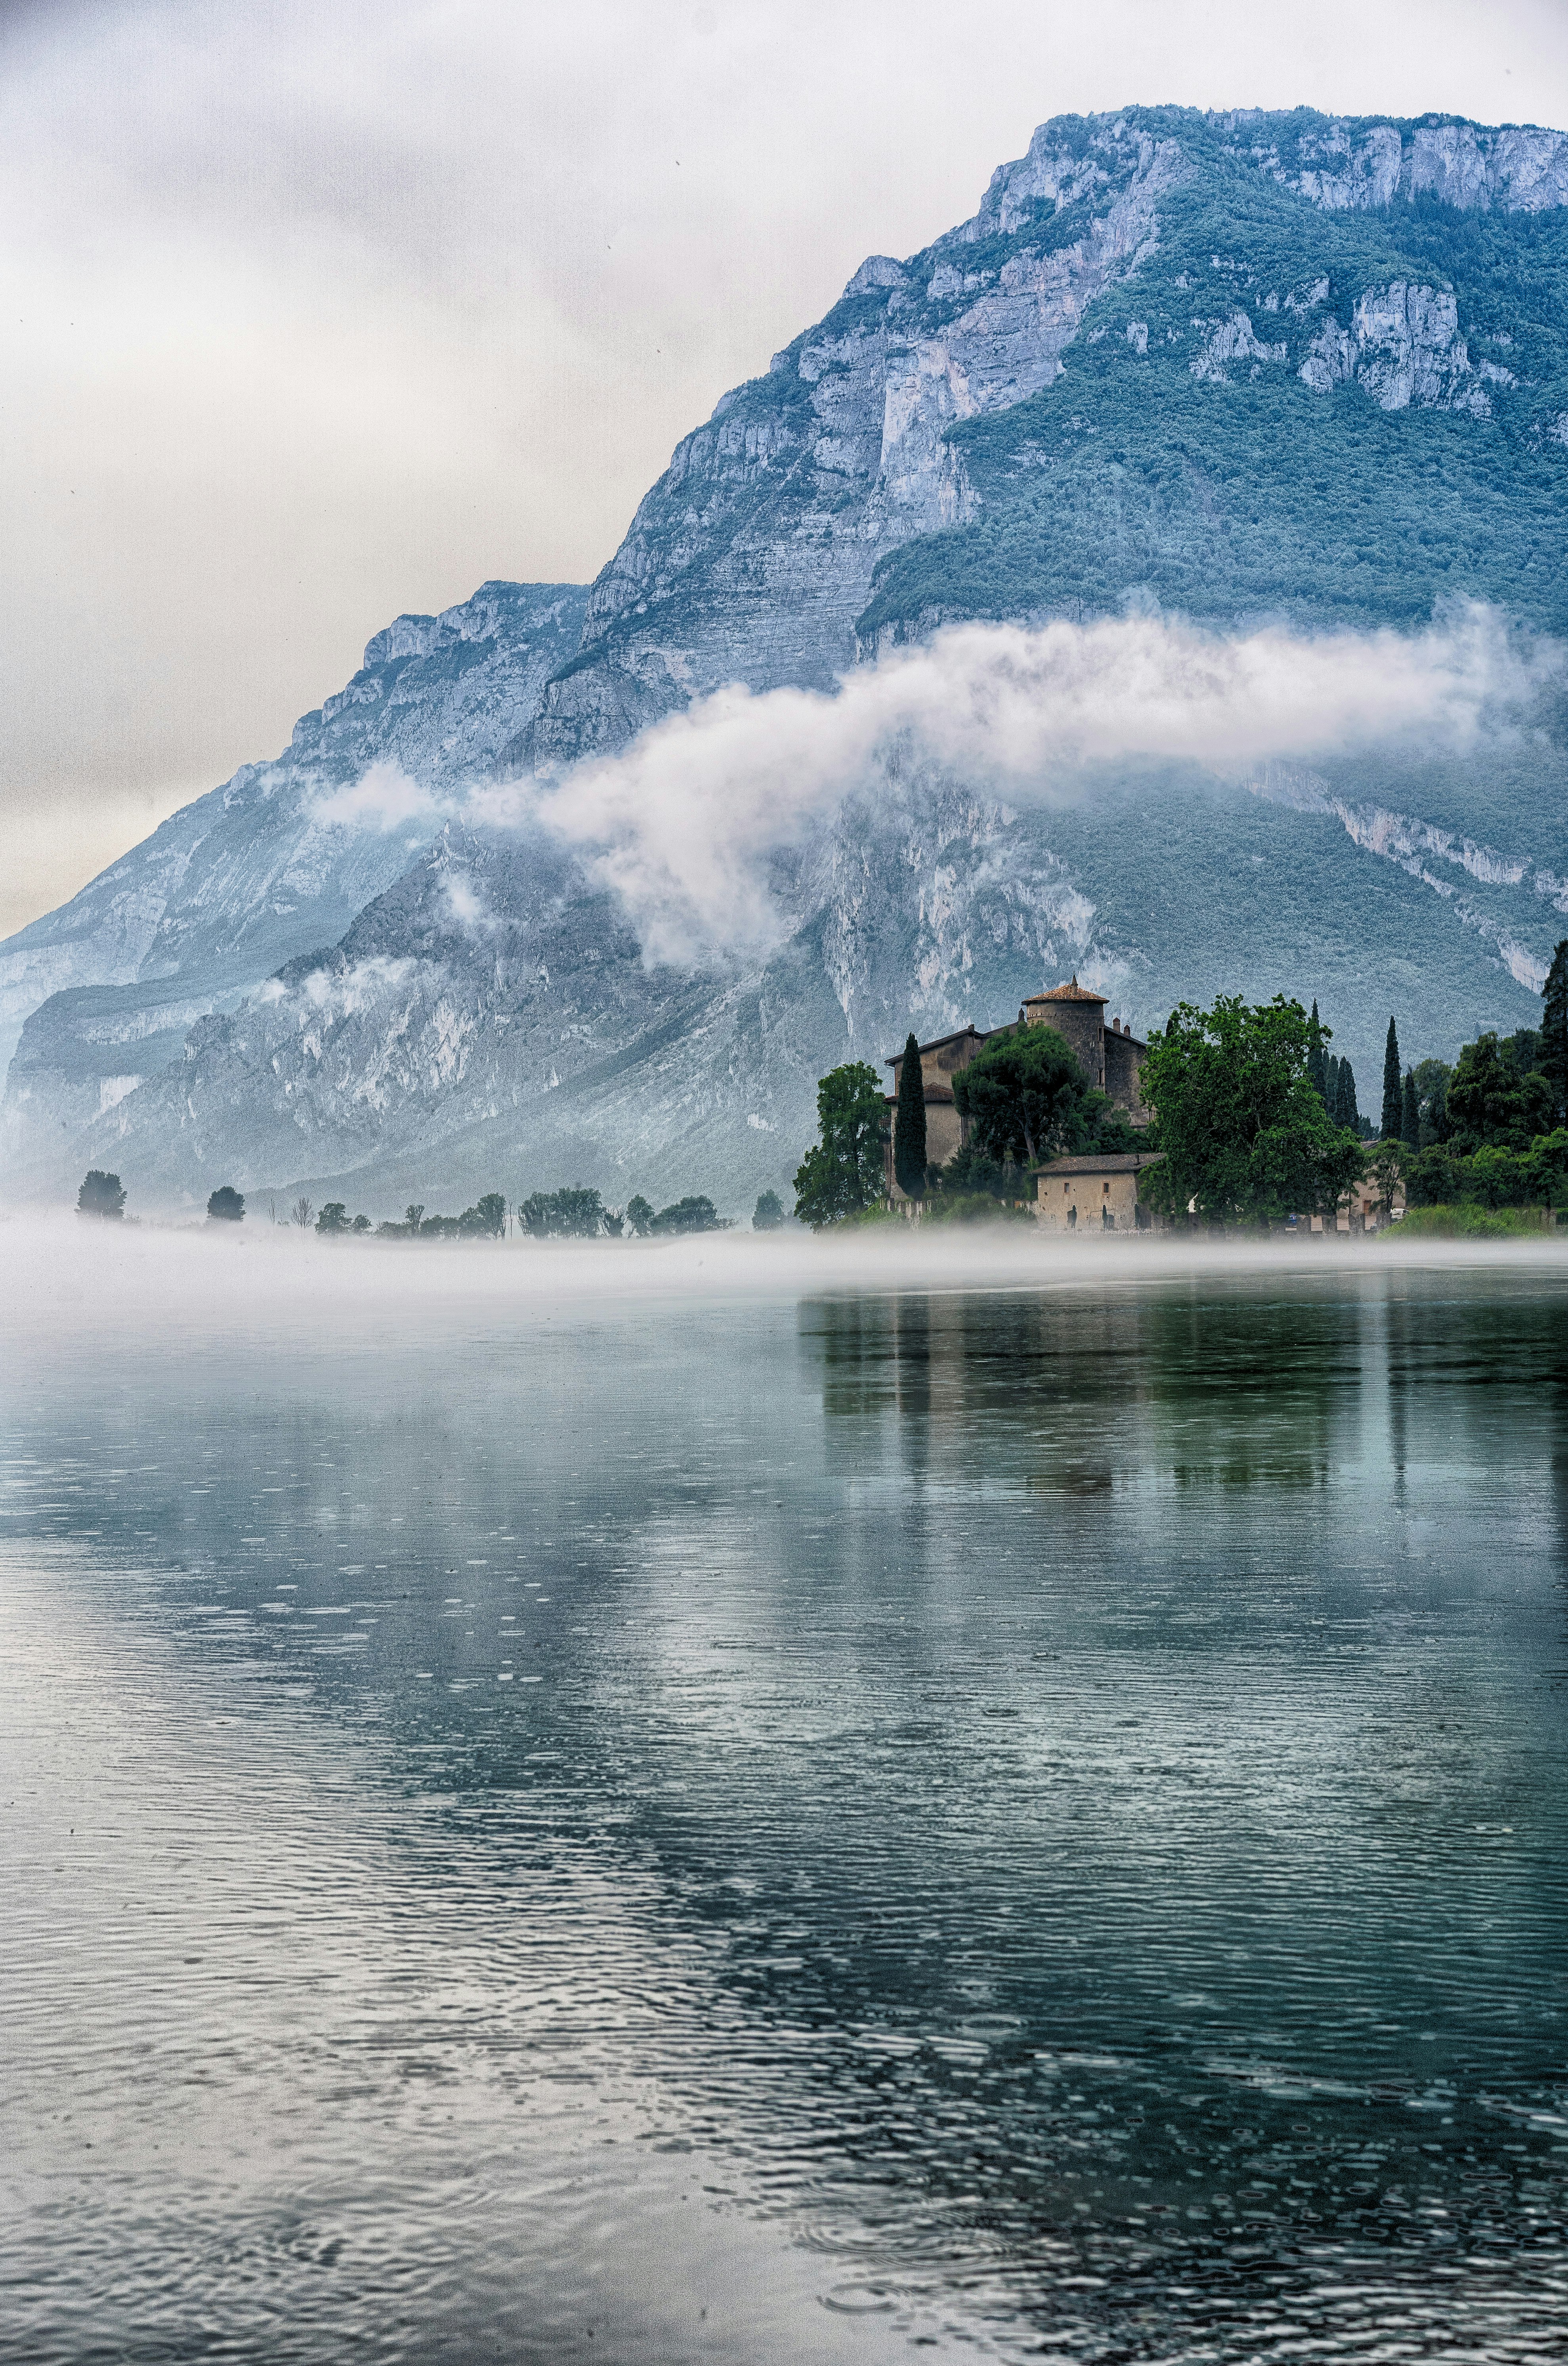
pixel 1028 1824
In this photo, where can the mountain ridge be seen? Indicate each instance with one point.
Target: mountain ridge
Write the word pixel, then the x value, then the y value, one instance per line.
pixel 1242 367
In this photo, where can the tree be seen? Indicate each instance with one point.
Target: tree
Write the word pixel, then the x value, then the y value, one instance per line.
pixel 1347 1115
pixel 101 1195
pixel 1410 1113
pixel 768 1215
pixel 910 1125
pixel 1431 1091
pixel 1317 1058
pixel 1554 1031
pixel 615 1222
pixel 362 1223
pixel 1490 1104
pixel 1331 1088
pixel 842 1173
pixel 640 1216
pixel 1393 1089
pixel 1244 1132
pixel 1388 1165
pixel 333 1217
pixel 574 1213
pixel 302 1212
pixel 1022 1095
pixel 695 1213
pixel 486 1220
pixel 226 1206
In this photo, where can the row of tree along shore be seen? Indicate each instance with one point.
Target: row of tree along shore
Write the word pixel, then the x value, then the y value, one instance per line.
pixel 576 1212
pixel 1253 1122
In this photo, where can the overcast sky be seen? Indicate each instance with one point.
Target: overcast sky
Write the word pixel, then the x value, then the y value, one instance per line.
pixel 323 309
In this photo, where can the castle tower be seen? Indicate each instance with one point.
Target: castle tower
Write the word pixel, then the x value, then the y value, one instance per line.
pixel 1078 1016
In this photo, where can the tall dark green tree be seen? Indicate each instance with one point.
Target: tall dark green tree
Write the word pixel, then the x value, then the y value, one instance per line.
pixel 1348 1114
pixel 1317 1058
pixel 910 1125
pixel 1389 1123
pixel 1410 1112
pixel 1330 1087
pixel 1555 1030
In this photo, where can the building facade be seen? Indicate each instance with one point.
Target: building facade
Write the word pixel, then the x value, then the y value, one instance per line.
pixel 1111 1057
pixel 1095 1194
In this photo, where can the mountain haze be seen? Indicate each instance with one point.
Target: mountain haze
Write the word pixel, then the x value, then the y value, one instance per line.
pixel 1242 368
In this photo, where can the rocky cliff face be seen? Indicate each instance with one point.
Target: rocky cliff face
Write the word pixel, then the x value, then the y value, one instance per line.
pixel 264 868
pixel 1237 365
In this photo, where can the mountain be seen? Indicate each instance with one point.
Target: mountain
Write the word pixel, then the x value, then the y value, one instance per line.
pixel 104 990
pixel 1242 367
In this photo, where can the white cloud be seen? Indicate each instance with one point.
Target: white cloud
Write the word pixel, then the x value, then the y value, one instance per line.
pixel 685 825
pixel 384 798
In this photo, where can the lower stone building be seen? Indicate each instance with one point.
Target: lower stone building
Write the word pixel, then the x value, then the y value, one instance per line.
pixel 1098 1193
pixel 1111 1057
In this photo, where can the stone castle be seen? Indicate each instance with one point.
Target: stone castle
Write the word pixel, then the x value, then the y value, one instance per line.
pixel 1111 1056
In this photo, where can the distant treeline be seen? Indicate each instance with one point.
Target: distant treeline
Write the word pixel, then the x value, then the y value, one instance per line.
pixel 575 1213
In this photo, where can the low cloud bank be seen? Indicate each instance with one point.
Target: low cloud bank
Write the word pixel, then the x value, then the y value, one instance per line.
pixel 684 824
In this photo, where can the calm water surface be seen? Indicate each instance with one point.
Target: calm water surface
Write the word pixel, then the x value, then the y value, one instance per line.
pixel 1020 1825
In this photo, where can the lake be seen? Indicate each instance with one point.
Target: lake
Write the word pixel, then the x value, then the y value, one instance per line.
pixel 657 1806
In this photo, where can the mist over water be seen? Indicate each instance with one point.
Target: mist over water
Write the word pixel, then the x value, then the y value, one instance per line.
pixel 782 1801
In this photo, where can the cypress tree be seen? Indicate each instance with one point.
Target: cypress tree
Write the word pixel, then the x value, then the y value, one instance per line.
pixel 1390 1123
pixel 1317 1060
pixel 1349 1115
pixel 1410 1113
pixel 1331 1088
pixel 1554 1030
pixel 909 1125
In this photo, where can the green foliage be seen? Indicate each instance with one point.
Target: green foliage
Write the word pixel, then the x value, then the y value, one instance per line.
pixel 615 1224
pixel 1391 1124
pixel 102 1194
pixel 361 1224
pixel 1489 1102
pixel 695 1213
pixel 1410 1114
pixel 640 1216
pixel 1493 1174
pixel 768 1214
pixel 574 1213
pixel 333 1217
pixel 974 1208
pixel 1260 495
pixel 486 1220
pixel 1553 1061
pixel 1317 1058
pixel 226 1206
pixel 1470 1222
pixel 969 1172
pixel 910 1125
pixel 842 1173
pixel 1023 1096
pixel 1244 1134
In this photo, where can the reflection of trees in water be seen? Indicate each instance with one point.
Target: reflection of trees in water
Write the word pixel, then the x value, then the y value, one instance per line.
pixel 1077 1393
